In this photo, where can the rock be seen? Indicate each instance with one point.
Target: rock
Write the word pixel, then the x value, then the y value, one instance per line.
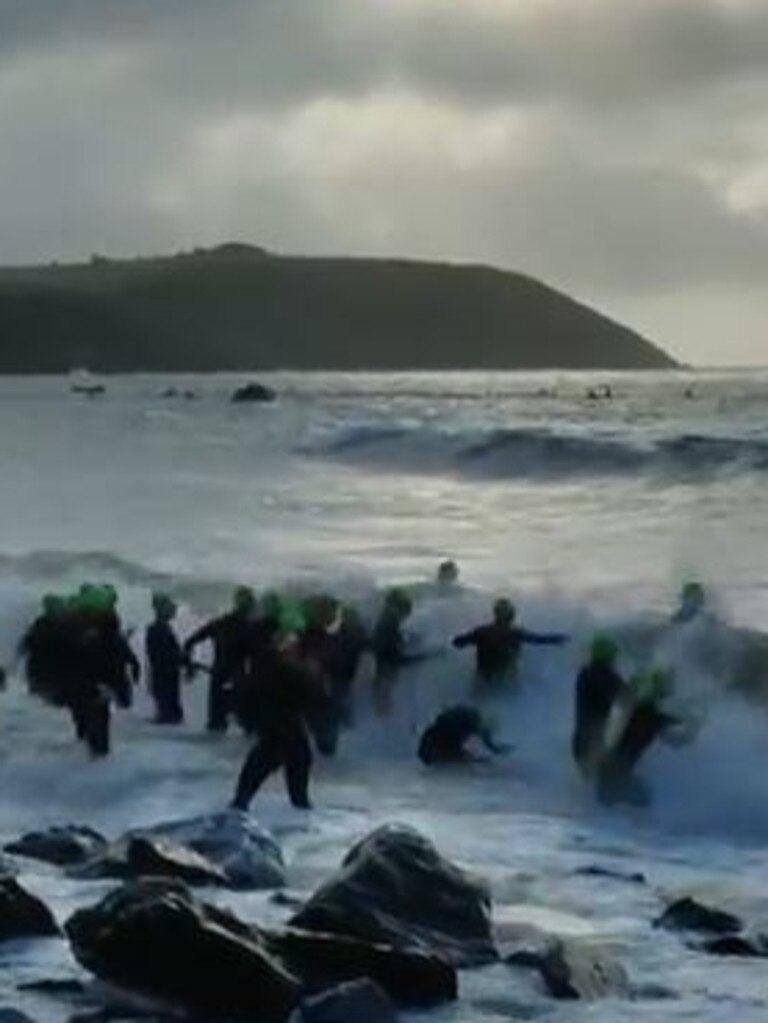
pixel 614 875
pixel 154 938
pixel 7 868
pixel 735 945
pixel 410 978
pixel 141 856
pixel 54 987
pixel 254 392
pixel 155 857
pixel 689 915
pixel 248 856
pixel 348 1003
pixel 395 888
pixel 23 915
pixel 571 970
pixel 63 847
pixel 8 1015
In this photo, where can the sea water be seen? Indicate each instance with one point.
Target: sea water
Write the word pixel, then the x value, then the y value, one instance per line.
pixel 589 513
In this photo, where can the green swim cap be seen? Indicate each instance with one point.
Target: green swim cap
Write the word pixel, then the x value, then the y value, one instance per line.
pixel 604 649
pixel 398 600
pixel 53 604
pixel 244 599
pixel 693 591
pixel 505 610
pixel 163 602
pixel 291 617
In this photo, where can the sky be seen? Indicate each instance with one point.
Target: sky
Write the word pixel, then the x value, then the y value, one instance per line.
pixel 617 149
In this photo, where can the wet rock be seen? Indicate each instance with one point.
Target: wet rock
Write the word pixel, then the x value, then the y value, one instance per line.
pixel 248 856
pixel 63 847
pixel 55 988
pixel 253 392
pixel 612 875
pixel 154 938
pixel 737 946
pixel 410 978
pixel 156 857
pixel 689 915
pixel 8 1015
pixel 572 970
pixel 23 915
pixel 138 857
pixel 395 888
pixel 348 1003
pixel 286 900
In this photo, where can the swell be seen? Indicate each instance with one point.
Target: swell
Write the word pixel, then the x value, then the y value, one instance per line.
pixel 533 453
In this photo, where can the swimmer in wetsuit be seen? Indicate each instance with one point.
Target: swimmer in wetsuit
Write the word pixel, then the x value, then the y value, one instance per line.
pixel 598 687
pixel 444 742
pixel 498 645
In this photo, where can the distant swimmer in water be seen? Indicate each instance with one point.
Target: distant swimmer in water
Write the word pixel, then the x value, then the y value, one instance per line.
pixel 230 635
pixel 692 605
pixel 646 723
pixel 165 659
pixel 445 741
pixel 598 687
pixel 498 645
pixel 390 647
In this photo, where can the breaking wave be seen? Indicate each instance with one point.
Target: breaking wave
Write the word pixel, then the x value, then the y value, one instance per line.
pixel 540 453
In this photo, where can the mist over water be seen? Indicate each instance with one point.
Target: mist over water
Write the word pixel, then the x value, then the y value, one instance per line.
pixel 589 514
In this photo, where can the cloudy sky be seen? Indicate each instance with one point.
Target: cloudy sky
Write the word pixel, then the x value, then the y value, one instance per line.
pixel 616 148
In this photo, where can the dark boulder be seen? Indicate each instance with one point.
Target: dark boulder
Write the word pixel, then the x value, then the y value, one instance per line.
pixel 253 392
pixel 9 1015
pixel 689 915
pixel 23 915
pixel 63 847
pixel 410 978
pixel 233 841
pixel 155 857
pixel 356 1002
pixel 138 857
pixel 395 888
pixel 610 875
pixel 571 970
pixel 736 946
pixel 154 938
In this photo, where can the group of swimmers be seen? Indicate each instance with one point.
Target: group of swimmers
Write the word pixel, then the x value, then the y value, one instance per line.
pixel 284 668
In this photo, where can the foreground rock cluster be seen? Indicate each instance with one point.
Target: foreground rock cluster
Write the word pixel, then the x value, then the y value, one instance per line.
pixel 390 929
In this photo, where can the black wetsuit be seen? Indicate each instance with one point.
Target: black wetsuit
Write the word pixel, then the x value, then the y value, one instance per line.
pixel 121 668
pixel 42 645
pixel 90 690
pixel 597 689
pixel 258 666
pixel 229 635
pixel 288 698
pixel 444 741
pixel 165 659
pixel 616 781
pixel 389 643
pixel 498 648
pixel 342 662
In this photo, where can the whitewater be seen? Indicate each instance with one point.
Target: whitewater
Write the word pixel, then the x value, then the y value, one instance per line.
pixel 589 513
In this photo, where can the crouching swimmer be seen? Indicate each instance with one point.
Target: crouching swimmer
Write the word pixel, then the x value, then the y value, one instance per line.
pixel 444 742
pixel 647 721
pixel 287 699
pixel 598 687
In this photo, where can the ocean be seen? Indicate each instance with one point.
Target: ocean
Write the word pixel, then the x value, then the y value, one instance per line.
pixel 588 512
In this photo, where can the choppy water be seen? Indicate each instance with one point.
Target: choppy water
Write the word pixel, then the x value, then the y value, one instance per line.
pixel 582 510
